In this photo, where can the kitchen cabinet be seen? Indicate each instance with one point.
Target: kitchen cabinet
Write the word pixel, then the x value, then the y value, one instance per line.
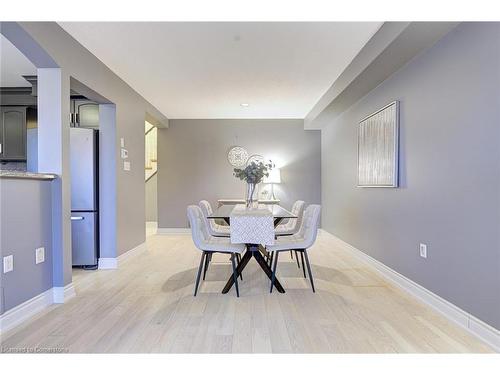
pixel 85 114
pixel 12 133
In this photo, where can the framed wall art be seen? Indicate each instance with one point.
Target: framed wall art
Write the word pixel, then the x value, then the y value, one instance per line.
pixel 378 148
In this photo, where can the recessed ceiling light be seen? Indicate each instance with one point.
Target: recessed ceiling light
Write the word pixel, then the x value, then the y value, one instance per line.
pixel 244 104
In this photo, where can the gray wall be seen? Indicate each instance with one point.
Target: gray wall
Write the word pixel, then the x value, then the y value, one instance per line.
pixel 26 225
pixel 152 199
pixel 192 162
pixel 450 173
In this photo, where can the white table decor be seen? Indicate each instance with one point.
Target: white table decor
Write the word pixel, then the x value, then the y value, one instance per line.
pixel 256 158
pixel 252 225
pixel 237 156
pixel 253 174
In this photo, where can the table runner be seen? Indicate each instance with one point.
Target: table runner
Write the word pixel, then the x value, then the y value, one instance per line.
pixel 252 225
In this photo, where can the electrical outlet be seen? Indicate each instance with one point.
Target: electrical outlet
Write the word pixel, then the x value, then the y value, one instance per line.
pixel 40 255
pixel 8 263
pixel 126 166
pixel 122 142
pixel 423 250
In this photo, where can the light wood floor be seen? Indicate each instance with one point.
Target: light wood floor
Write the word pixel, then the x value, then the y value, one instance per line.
pixel 148 306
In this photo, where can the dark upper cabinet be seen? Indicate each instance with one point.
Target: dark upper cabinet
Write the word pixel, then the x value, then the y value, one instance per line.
pixel 12 133
pixel 85 114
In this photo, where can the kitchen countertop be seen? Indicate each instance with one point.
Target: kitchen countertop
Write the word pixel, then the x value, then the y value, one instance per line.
pixel 26 175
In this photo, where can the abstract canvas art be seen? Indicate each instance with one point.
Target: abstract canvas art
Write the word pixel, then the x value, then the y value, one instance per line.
pixel 378 141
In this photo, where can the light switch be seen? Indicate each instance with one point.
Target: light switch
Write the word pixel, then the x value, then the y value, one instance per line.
pixel 122 142
pixel 124 153
pixel 423 250
pixel 126 166
pixel 8 263
pixel 40 255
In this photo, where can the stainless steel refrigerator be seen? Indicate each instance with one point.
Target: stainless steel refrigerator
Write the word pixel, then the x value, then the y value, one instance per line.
pixel 84 156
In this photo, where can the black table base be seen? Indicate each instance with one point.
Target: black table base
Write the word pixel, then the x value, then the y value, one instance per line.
pixel 253 251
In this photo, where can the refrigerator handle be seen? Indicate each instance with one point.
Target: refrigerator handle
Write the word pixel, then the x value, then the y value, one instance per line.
pixel 77 218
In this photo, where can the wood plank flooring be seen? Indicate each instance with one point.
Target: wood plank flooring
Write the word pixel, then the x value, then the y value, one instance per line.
pixel 147 305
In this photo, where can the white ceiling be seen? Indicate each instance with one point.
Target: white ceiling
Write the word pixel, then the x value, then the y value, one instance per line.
pixel 13 65
pixel 206 70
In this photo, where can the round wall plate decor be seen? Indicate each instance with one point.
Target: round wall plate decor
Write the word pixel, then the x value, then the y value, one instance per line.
pixel 256 158
pixel 237 156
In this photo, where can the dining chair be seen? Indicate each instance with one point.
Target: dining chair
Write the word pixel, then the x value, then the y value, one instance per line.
pixel 214 229
pixel 209 244
pixel 292 225
pixel 301 241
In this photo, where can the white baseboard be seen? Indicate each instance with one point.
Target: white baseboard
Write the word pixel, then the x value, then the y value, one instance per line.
pixel 108 263
pixel 173 231
pixel 113 263
pixel 478 328
pixel 19 314
pixel 63 293
pixel 139 249
pixel 151 228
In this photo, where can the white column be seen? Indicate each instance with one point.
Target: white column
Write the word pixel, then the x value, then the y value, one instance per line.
pixel 107 181
pixel 53 157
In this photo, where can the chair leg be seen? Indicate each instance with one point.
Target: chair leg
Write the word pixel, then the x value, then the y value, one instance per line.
pixel 199 273
pixel 273 277
pixel 238 261
pixel 303 267
pixel 297 258
pixel 309 270
pixel 235 277
pixel 207 261
pixel 291 254
pixel 271 259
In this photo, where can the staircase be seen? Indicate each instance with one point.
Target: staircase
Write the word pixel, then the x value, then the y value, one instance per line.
pixel 151 161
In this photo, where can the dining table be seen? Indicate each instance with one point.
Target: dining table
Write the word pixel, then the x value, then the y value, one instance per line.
pixel 254 250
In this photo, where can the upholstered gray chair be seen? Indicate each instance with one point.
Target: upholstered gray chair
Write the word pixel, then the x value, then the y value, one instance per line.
pixel 301 241
pixel 292 226
pixel 209 244
pixel 214 229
